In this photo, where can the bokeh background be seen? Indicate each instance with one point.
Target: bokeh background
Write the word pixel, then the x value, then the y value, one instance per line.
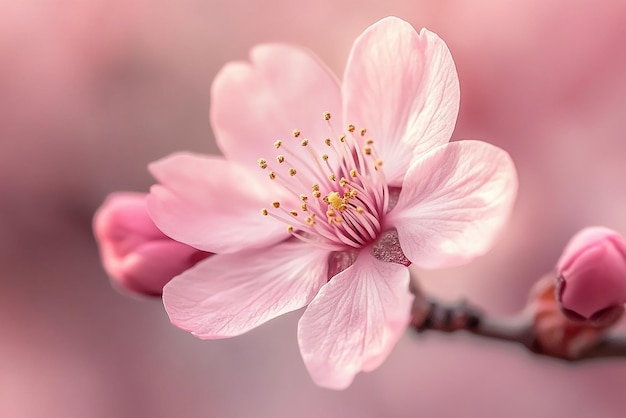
pixel 93 90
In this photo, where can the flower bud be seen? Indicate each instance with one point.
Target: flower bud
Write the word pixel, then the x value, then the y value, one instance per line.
pixel 135 253
pixel 592 277
pixel 554 334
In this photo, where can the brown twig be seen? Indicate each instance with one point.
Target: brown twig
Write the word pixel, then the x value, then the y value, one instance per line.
pixel 430 315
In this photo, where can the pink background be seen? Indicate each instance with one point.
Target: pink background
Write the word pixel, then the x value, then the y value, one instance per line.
pixel 93 90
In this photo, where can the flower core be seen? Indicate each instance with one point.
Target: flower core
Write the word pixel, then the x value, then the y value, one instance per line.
pixel 338 191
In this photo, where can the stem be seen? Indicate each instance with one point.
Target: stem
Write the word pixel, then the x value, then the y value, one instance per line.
pixel 430 315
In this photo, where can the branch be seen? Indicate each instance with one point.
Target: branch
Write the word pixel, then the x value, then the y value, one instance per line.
pixel 435 316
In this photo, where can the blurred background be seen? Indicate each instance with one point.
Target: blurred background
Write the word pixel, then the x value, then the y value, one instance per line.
pixel 93 90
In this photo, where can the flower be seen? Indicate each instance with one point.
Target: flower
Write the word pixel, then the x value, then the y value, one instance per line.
pixel 347 204
pixel 592 276
pixel 136 255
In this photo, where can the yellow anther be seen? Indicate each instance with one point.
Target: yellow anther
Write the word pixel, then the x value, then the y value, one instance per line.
pixel 369 141
pixel 292 172
pixel 304 198
pixel 343 182
pixel 332 177
pixel 327 115
pixel 295 133
pixel 353 193
pixel 325 199
pixel 290 229
pixel 316 194
pixel 304 207
pixel 309 220
pixel 330 213
pixel 367 150
pixel 359 209
pixel 325 157
pixel 264 212
pixel 335 200
pixel 362 132
pixel 342 138
pixel 327 141
pixel 277 144
pixel 351 128
pixel 304 142
pixel 379 163
pixel 262 163
pixel 280 158
pixel 315 187
pixel 293 213
pixel 276 204
pixel 353 173
pixel 272 175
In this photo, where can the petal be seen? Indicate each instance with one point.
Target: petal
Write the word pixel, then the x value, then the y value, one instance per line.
pixel 453 203
pixel 254 104
pixel 212 204
pixel 355 321
pixel 403 88
pixel 229 294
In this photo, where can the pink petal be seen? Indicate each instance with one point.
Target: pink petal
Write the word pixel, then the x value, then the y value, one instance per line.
pixel 355 321
pixel 282 89
pixel 453 203
pixel 212 204
pixel 227 295
pixel 403 88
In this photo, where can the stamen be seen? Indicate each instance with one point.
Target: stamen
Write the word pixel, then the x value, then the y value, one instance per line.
pixel 351 192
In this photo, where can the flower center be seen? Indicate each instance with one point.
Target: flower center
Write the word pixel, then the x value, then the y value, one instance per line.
pixel 337 188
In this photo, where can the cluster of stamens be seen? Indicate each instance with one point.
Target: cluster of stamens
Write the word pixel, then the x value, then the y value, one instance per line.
pixel 346 204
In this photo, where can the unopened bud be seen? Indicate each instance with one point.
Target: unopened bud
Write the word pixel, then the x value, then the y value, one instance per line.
pixel 554 334
pixel 135 253
pixel 592 277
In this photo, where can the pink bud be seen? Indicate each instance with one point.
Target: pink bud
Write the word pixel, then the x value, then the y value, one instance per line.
pixel 592 276
pixel 554 334
pixel 134 252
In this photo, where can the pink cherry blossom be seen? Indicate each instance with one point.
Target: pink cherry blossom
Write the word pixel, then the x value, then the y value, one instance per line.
pixel 592 275
pixel 355 180
pixel 136 255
